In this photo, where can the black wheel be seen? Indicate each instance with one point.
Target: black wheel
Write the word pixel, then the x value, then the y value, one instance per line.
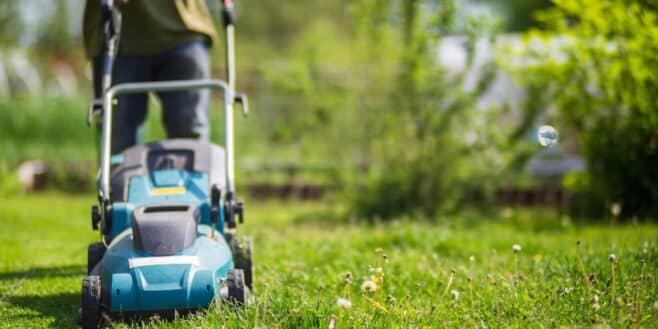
pixel 95 253
pixel 90 312
pixel 238 293
pixel 242 258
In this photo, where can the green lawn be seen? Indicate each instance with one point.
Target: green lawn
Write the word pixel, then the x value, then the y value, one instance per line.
pixel 303 254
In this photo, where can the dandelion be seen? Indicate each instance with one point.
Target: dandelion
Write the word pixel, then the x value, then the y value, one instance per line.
pixel 348 279
pixel 332 322
pixel 583 272
pixel 615 209
pixel 612 258
pixel 369 286
pixel 375 279
pixel 390 300
pixel 516 249
pixel 344 303
pixel 595 303
pixel 471 259
pixel 620 302
pixel 455 294
pixel 452 276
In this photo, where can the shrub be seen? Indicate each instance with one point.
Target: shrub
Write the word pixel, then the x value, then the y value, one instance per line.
pixel 598 68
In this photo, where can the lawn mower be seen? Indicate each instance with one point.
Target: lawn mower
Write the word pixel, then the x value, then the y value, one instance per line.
pixel 166 210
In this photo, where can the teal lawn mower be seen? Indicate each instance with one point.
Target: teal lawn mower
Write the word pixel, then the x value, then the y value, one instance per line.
pixel 166 210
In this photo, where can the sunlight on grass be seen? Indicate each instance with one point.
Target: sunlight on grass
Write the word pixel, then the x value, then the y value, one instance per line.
pixel 314 271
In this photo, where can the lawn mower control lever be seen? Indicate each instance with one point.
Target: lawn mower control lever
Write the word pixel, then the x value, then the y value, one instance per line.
pixel 244 102
pixel 239 211
pixel 232 210
pixel 215 195
pixel 95 217
pixel 101 216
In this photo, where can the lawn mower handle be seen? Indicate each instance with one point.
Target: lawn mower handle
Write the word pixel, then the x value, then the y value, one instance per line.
pixel 230 97
pixel 111 26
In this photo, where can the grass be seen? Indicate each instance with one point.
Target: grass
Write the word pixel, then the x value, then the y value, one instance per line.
pixel 457 272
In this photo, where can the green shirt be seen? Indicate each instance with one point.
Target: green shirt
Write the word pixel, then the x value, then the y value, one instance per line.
pixel 150 26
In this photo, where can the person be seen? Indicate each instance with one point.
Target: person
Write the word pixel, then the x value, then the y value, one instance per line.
pixel 159 40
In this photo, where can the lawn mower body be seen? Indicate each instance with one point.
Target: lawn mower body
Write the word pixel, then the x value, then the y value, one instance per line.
pixel 134 281
pixel 165 253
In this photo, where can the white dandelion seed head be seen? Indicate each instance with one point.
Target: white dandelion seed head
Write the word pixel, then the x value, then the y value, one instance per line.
pixel 516 248
pixel 369 286
pixel 455 294
pixel 348 278
pixel 615 209
pixel 612 258
pixel 344 303
pixel 471 259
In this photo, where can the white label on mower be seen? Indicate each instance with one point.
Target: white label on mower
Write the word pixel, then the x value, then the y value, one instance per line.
pixel 168 260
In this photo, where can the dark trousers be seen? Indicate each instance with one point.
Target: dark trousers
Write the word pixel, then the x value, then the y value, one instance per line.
pixel 184 113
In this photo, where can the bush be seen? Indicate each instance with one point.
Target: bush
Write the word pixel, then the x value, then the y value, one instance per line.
pixel 434 149
pixel 597 66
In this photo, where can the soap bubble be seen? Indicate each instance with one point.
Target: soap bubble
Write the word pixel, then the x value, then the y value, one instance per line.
pixel 547 136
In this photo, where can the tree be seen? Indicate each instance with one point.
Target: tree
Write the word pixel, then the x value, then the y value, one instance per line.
pixel 598 66
pixel 423 161
pixel 10 22
pixel 521 13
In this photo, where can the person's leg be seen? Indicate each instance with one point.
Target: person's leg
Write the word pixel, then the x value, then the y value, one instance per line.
pixel 185 113
pixel 130 110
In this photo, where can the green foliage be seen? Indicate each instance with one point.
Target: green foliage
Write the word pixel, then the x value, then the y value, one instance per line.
pixel 10 24
pixel 521 13
pixel 55 35
pixel 597 65
pixel 44 128
pixel 433 150
pixel 9 183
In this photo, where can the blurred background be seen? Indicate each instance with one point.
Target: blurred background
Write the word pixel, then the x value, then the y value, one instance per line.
pixel 387 108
